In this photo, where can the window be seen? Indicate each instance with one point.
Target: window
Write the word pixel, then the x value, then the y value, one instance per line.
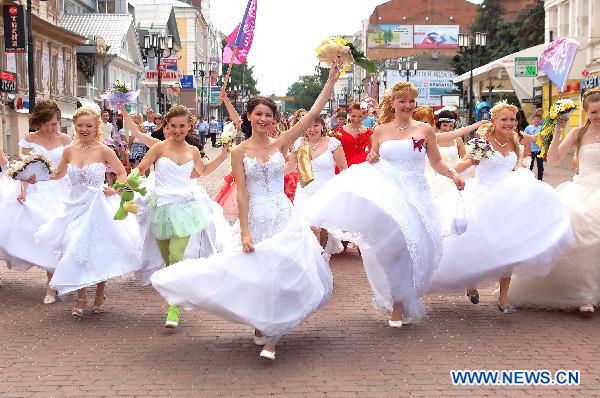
pixel 106 6
pixel 38 65
pixel 54 71
pixel 68 72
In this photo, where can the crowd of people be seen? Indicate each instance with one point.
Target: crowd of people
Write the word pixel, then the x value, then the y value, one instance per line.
pixel 394 179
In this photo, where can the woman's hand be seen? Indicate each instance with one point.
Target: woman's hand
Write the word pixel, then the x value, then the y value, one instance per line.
pixel 372 157
pixel 32 180
pixel 109 191
pixel 458 181
pixel 225 149
pixel 247 243
pixel 22 197
pixel 561 124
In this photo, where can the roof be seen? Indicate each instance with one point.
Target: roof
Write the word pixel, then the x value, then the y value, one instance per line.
pixel 172 3
pixel 155 16
pixel 112 28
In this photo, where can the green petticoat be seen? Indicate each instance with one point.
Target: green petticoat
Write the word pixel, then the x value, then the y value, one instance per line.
pixel 177 220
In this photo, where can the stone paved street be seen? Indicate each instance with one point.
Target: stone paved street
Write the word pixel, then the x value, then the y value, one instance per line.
pixel 345 349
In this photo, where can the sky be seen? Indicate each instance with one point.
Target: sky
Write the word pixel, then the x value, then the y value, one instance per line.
pixel 288 32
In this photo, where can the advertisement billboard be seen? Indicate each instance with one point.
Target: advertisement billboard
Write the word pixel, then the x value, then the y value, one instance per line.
pixel 433 85
pixel 436 36
pixel 390 36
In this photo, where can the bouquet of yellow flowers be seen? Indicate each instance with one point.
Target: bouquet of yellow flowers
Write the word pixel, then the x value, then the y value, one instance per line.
pixel 339 49
pixel 560 109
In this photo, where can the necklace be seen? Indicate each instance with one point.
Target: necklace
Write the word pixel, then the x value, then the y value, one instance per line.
pixel 501 145
pixel 403 128
pixel 357 129
pixel 315 146
pixel 85 148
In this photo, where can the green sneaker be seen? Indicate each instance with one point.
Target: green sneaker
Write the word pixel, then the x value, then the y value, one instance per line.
pixel 172 317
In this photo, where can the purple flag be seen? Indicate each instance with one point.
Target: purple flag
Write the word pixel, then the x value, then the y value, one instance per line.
pixel 556 60
pixel 241 37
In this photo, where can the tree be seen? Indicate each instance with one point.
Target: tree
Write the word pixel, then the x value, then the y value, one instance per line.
pixel 529 25
pixel 305 92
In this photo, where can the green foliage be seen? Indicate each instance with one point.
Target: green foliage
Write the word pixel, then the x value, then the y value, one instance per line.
pixel 529 25
pixel 305 92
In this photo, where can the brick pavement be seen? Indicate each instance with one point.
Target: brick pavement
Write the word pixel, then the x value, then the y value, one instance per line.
pixel 343 350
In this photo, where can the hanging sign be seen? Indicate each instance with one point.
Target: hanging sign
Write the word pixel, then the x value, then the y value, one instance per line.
pixel 14 28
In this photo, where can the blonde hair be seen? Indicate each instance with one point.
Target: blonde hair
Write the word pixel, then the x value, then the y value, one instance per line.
pixel 95 113
pixel 137 118
pixel 488 130
pixel 387 107
pixel 424 114
pixel 296 115
pixel 589 96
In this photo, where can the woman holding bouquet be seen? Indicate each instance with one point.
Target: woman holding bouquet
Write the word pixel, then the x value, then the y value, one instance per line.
pixel 514 222
pixel 25 211
pixel 574 282
pixel 90 246
pixel 177 212
pixel 387 208
pixel 276 276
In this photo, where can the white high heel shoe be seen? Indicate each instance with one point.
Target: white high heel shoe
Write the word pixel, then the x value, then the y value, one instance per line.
pixel 395 324
pixel 50 299
pixel 586 308
pixel 268 354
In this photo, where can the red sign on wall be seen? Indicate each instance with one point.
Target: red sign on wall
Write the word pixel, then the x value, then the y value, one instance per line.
pixel 14 28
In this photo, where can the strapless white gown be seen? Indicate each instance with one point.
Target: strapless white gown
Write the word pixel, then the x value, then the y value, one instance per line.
pixel 575 279
pixel 171 183
pixel 273 289
pixel 388 210
pixel 516 224
pixel 19 222
pixel 323 168
pixel 90 246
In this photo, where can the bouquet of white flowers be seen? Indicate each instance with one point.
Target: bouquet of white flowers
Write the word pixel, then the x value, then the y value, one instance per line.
pixel 339 49
pixel 31 165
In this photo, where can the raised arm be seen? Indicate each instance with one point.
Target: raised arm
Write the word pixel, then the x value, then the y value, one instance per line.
pixel 204 169
pixel 287 138
pixel 135 131
pixel 558 150
pixel 151 156
pixel 450 135
pixel 233 113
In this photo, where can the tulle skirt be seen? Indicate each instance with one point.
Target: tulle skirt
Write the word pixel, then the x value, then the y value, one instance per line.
pixel 575 279
pixel 177 220
pixel 517 225
pixel 90 246
pixel 272 289
pixel 19 222
pixel 390 213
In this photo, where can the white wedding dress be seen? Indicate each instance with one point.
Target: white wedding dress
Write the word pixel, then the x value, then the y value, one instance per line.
pixel 388 210
pixel 171 183
pixel 515 224
pixel 19 222
pixel 272 289
pixel 90 246
pixel 575 279
pixel 438 183
pixel 323 168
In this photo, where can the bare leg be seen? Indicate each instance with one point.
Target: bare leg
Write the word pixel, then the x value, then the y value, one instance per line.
pixel 80 305
pixel 397 312
pixel 503 296
pixel 99 299
pixel 50 296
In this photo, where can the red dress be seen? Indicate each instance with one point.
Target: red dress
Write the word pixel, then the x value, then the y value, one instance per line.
pixel 355 148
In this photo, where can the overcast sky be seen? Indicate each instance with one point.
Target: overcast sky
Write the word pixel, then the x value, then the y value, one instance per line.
pixel 288 32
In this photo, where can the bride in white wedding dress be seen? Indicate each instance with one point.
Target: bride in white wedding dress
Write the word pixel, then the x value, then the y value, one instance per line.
pixel 575 281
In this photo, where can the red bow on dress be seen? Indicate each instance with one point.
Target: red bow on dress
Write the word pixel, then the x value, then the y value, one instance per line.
pixel 418 144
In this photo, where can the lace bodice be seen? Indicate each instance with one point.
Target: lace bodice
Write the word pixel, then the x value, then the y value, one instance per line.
pixel 54 155
pixel 323 166
pixel 496 167
pixel 264 179
pixel 268 208
pixel 589 165
pixel 90 176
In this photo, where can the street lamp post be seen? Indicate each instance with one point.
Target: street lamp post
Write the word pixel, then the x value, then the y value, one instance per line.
pixel 359 89
pixel 199 71
pixel 30 59
pixel 407 67
pixel 161 47
pixel 467 46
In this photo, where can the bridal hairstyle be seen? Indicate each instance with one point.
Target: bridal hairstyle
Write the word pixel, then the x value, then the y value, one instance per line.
pixel 590 96
pixel 424 114
pixel 44 111
pixel 253 103
pixel 95 113
pixel 387 107
pixel 178 110
pixel 445 117
pixel 488 130
pixel 296 115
